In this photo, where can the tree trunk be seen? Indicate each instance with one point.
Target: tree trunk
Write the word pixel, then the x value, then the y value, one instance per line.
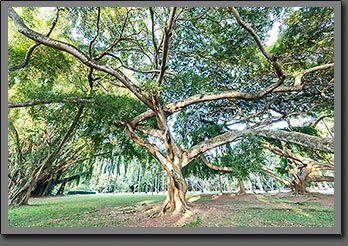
pixel 61 189
pixel 241 187
pixel 300 180
pixel 259 182
pixel 115 183
pixel 177 188
pixel 41 188
pixel 21 197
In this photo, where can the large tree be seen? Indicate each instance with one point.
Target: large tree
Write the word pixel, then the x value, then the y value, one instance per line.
pixel 204 76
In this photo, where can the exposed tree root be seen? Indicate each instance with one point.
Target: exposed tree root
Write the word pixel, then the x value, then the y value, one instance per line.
pixel 157 210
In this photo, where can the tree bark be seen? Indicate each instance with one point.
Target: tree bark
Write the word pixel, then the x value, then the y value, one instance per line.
pixel 177 188
pixel 241 187
pixel 41 188
pixel 300 179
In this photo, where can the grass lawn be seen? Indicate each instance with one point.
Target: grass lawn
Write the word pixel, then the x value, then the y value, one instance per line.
pixel 76 210
pixel 114 210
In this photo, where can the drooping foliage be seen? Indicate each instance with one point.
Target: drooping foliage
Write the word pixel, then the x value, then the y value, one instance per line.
pixel 131 69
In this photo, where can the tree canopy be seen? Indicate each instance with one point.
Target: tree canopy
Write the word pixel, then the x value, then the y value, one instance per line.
pixel 193 88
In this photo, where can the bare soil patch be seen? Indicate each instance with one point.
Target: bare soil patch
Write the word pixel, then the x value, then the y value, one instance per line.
pixel 222 210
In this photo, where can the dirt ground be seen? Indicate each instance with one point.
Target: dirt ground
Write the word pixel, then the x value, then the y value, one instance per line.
pixel 215 210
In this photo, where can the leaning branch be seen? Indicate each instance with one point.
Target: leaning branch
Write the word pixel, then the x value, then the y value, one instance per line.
pixel 167 35
pixel 150 131
pixel 271 174
pixel 286 153
pixel 297 86
pixel 59 45
pixel 270 57
pixel 321 179
pixel 33 47
pixel 96 34
pixel 204 97
pixel 149 146
pixel 317 143
pixel 229 169
pixel 313 142
pixel 213 96
pixel 212 143
pixel 211 166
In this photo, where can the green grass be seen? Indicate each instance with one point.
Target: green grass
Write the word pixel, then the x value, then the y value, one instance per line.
pixel 196 222
pixel 111 210
pixel 76 211
pixel 268 216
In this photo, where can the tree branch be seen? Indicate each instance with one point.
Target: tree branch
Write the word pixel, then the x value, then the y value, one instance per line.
pixel 298 83
pixel 213 96
pixel 153 37
pixel 33 46
pixel 151 147
pixel 313 142
pixel 150 131
pixel 270 57
pixel 323 144
pixel 286 153
pixel 71 100
pixel 230 169
pixel 204 97
pixel 211 166
pixel 321 179
pixel 211 143
pixel 167 35
pixel 105 52
pixel 300 74
pixel 96 34
pixel 59 45
pixel 273 175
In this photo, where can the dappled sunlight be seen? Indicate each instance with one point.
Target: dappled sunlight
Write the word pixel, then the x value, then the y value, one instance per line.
pixel 194 198
pixel 185 217
pixel 262 198
pixel 214 197
pixel 300 211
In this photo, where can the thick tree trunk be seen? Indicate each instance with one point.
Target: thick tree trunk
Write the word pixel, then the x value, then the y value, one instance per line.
pixel 177 188
pixel 22 198
pixel 300 180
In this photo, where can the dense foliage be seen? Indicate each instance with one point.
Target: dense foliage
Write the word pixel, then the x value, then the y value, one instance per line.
pixel 97 91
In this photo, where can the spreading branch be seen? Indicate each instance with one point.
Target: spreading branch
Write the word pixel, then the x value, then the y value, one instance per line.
pixel 211 166
pixel 297 86
pixel 96 34
pixel 34 46
pixel 321 179
pixel 286 153
pixel 273 175
pixel 167 35
pixel 277 67
pixel 151 147
pixel 85 59
pixel 317 143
